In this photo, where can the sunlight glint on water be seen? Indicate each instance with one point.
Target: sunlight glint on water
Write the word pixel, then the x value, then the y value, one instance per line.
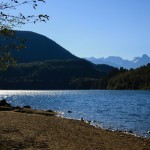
pixel 123 110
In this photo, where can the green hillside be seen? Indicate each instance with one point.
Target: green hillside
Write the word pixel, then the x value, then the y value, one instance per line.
pixel 40 48
pixel 48 74
pixel 133 79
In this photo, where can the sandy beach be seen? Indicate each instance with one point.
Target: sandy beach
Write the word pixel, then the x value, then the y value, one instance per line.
pixel 34 130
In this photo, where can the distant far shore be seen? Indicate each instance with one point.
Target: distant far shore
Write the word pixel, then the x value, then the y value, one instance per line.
pixel 46 89
pixel 25 128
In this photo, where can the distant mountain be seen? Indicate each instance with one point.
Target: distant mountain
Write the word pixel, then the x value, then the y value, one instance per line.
pixel 119 62
pixel 40 48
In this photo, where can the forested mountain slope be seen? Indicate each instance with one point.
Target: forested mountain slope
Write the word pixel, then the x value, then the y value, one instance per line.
pixel 39 48
pixel 134 79
pixel 52 74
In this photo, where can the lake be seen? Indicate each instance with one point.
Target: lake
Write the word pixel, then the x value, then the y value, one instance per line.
pixel 115 110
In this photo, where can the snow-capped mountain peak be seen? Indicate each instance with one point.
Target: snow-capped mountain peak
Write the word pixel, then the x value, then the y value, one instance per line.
pixel 119 62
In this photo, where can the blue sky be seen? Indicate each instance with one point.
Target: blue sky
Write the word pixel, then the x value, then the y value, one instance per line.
pixel 98 28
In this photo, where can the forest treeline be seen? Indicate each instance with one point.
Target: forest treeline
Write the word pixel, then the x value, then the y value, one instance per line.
pixel 133 79
pixel 73 74
pixel 52 74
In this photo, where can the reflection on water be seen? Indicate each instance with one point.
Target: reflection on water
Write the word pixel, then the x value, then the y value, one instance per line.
pixel 123 110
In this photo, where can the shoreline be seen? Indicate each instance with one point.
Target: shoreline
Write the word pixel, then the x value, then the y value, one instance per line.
pixel 128 132
pixel 60 114
pixel 25 128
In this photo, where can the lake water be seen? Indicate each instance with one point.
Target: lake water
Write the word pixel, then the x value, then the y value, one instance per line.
pixel 122 110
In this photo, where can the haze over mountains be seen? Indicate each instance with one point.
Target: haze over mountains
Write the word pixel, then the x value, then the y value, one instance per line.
pixel 119 62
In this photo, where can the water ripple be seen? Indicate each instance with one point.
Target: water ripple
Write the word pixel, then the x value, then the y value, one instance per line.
pixel 122 110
